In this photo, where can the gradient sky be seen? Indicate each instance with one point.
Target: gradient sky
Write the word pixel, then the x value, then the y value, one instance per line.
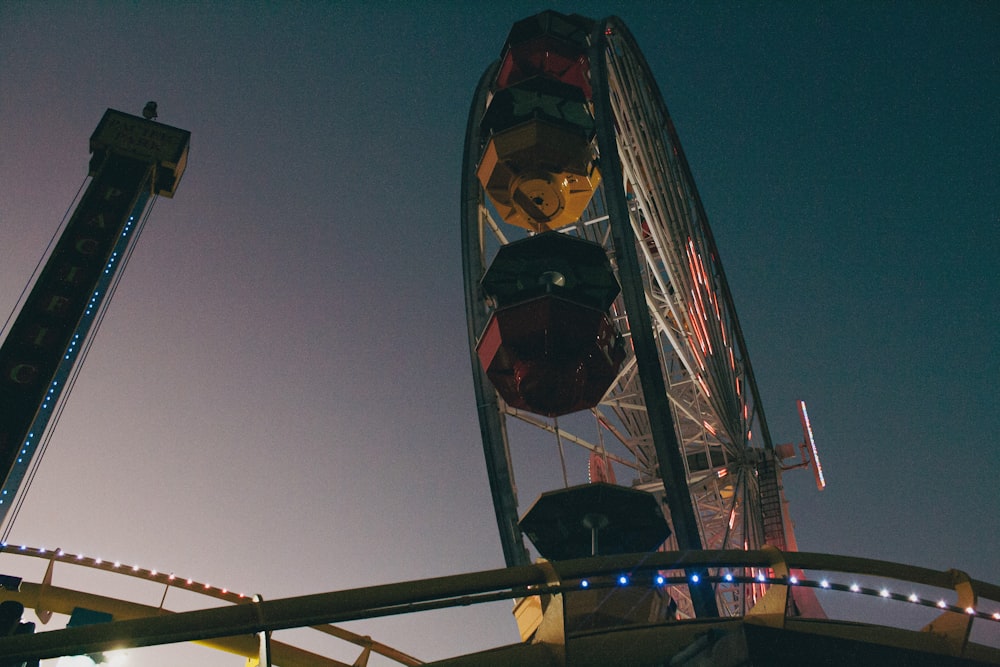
pixel 279 400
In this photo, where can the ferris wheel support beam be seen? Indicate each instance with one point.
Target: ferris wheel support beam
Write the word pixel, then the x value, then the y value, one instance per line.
pixel 668 453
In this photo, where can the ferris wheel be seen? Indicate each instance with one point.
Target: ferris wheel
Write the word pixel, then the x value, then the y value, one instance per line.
pixel 569 136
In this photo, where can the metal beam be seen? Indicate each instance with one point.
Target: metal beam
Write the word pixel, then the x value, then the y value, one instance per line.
pixel 440 592
pixel 668 454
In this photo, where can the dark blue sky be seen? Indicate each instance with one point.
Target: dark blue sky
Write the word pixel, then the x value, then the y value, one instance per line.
pixel 279 399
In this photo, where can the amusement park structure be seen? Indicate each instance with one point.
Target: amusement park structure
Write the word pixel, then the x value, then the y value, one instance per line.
pixel 600 321
pixel 133 160
pixel 568 132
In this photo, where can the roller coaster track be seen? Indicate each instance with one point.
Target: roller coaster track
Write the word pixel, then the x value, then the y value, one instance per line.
pixel 47 599
pixel 958 602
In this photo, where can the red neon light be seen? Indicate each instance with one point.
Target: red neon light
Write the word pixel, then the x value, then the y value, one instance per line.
pixel 808 432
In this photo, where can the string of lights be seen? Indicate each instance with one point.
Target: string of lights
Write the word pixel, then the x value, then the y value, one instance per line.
pixel 149 574
pixel 660 580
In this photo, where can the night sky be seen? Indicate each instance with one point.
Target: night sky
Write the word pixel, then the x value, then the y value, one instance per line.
pixel 279 400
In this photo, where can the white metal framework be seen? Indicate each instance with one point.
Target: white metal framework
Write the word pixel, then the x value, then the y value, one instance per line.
pixel 701 379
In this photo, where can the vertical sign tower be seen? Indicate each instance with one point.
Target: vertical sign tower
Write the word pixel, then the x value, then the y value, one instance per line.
pixel 133 160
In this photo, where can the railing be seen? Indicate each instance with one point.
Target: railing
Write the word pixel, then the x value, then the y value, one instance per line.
pixel 975 601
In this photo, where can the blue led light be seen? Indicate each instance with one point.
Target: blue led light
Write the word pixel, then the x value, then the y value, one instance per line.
pixel 623 580
pixel 584 583
pixel 695 578
pixel 660 580
pixel 728 577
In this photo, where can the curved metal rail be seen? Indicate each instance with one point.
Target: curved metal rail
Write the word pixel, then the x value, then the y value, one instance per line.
pixel 46 599
pixel 947 635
